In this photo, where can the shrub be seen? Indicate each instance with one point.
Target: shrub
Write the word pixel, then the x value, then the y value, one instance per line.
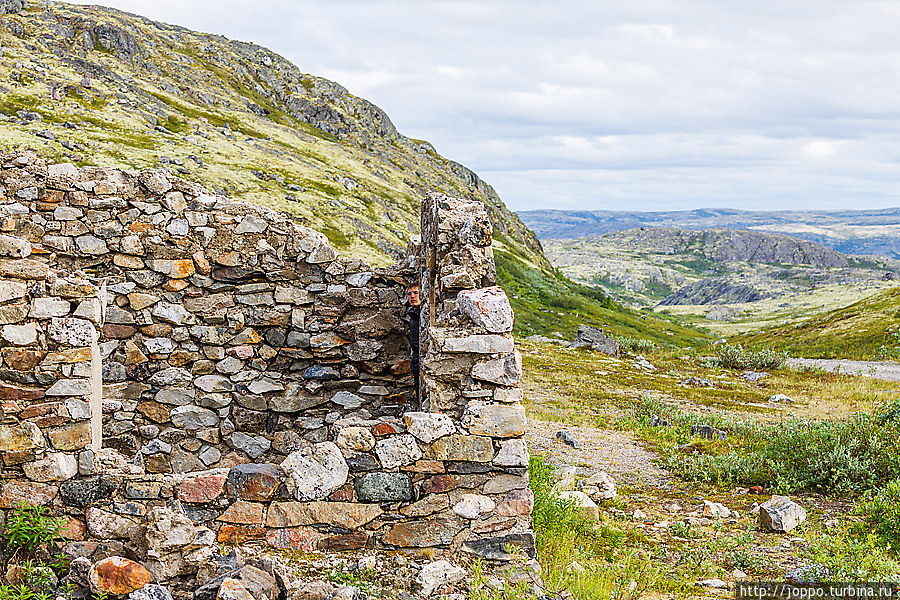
pixel 28 544
pixel 832 457
pixel 730 356
pixel 881 516
pixel 634 344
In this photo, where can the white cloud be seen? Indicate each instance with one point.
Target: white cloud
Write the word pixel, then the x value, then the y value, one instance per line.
pixel 651 104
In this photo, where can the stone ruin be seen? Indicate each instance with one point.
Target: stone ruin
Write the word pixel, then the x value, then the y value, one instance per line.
pixel 181 371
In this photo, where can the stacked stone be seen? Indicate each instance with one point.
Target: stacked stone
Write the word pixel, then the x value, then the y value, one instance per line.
pixel 253 381
pixel 48 378
pixel 231 333
pixel 472 372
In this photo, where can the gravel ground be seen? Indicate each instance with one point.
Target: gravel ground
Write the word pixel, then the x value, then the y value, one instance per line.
pixel 615 452
pixel 886 371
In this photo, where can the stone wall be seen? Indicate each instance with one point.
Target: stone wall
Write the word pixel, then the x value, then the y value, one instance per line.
pixel 256 386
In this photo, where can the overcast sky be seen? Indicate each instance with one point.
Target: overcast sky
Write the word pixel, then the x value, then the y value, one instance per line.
pixel 624 105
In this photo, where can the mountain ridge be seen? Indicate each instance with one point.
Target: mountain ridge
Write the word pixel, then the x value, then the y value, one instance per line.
pixel 862 232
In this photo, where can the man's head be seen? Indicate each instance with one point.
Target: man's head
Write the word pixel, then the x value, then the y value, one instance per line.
pixel 412 294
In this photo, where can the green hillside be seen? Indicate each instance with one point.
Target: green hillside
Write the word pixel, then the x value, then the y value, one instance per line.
pixel 866 330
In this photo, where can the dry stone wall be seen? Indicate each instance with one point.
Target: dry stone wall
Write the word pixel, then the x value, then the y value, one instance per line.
pixel 255 385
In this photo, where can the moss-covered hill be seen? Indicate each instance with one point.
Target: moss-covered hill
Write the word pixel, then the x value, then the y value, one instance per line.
pixel 97 86
pixel 868 329
pixel 93 85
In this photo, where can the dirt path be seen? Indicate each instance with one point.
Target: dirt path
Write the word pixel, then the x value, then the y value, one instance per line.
pixel 615 452
pixel 886 371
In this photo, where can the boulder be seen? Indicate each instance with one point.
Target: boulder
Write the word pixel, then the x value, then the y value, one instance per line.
pixel 435 575
pixel 780 514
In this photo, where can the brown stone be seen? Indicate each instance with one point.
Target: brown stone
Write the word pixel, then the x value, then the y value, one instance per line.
pixel 139 227
pixel 425 466
pixel 21 437
pixel 22 360
pixel 118 576
pixel 229 259
pixel 13 392
pixel 239 534
pixel 118 332
pixel 516 502
pixel 180 357
pixel 427 506
pixel 470 448
pixel 156 412
pixel 67 357
pixel 71 437
pixel 73 529
pixel 133 354
pixel 342 514
pixel 493 524
pixel 424 533
pixel 175 285
pixel 157 330
pixel 181 268
pixel 205 488
pixel 202 263
pixel 305 539
pixel 23 269
pixel 26 492
pixel 384 429
pixel 244 513
pixel 128 262
pixel 342 494
pixel 41 410
pixel 345 541
pixel 232 589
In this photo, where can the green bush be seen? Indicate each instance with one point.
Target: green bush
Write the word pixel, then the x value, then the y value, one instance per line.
pixel 634 344
pixel 832 457
pixel 730 356
pixel 881 516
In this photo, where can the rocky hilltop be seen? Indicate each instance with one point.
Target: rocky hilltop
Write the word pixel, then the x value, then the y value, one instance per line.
pixel 729 245
pixel 96 86
pixel 873 232
pixel 646 266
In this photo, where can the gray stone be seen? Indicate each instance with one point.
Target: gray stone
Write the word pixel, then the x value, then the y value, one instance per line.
pixel 70 387
pixel 472 506
pixel 513 453
pixel 502 371
pixel 397 451
pixel 175 314
pixel 252 446
pixel 347 400
pixel 780 514
pixel 265 386
pixel 214 383
pixel 159 345
pixel 495 420
pixel 89 244
pixel 382 487
pixel 12 290
pixel 44 308
pixel 72 332
pixel 193 417
pixel 487 307
pixel 479 344
pixel 14 247
pixel 428 427
pixel 436 575
pixel 315 472
pixel 151 591
pixel 20 335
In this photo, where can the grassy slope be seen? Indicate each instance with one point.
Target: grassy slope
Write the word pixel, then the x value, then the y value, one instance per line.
pixel 548 303
pixel 856 331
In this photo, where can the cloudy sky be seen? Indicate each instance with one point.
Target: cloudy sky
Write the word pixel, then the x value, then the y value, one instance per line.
pixel 608 104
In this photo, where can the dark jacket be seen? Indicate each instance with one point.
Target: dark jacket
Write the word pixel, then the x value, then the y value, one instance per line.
pixel 412 319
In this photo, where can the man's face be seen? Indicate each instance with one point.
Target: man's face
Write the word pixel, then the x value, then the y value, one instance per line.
pixel 412 294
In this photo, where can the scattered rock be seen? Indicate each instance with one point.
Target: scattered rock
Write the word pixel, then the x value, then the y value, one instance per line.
pixel 566 438
pixel 780 514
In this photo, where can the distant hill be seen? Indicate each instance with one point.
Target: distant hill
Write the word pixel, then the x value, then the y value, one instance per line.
pixel 670 266
pixel 866 232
